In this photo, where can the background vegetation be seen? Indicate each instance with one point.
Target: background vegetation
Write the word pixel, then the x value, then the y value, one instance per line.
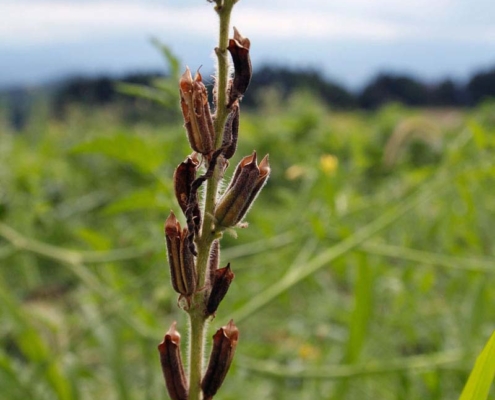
pixel 366 273
pixel 381 90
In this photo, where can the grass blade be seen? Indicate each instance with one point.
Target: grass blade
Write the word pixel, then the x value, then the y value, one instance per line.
pixel 296 275
pixel 423 362
pixel 481 377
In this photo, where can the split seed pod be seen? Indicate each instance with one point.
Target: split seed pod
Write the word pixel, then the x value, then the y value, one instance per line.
pixel 222 279
pixel 180 257
pixel 224 345
pixel 248 180
pixel 171 362
pixel 239 50
pixel 214 260
pixel 196 112
pixel 184 176
pixel 231 132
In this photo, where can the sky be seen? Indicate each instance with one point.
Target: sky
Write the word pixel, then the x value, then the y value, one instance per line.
pixel 348 41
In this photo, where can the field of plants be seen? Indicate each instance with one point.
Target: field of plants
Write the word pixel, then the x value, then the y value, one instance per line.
pixel 367 271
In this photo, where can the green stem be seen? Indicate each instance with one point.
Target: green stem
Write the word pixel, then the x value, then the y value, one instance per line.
pixel 197 316
pixel 424 362
pixel 196 350
pixel 21 242
pixel 197 319
pixel 222 78
pixel 207 236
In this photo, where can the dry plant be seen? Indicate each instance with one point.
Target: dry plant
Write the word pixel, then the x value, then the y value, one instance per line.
pixel 194 251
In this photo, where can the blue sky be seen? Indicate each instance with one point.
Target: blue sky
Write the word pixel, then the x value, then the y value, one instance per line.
pixel 349 41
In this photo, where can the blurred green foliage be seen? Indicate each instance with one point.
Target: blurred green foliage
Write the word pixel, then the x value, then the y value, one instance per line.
pixel 366 272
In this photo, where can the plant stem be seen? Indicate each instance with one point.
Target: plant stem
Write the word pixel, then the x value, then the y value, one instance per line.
pixel 207 236
pixel 61 254
pixel 196 350
pixel 197 317
pixel 197 314
pixel 223 12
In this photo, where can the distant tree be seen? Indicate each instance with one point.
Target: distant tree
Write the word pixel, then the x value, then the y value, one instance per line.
pixel 288 80
pixel 390 88
pixel 86 90
pixel 19 105
pixel 481 86
pixel 94 91
pixel 447 93
pixel 382 89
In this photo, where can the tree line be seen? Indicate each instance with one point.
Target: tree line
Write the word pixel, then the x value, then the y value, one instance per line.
pixel 383 88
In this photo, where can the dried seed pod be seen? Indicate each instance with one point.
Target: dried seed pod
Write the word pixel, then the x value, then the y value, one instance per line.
pixel 222 279
pixel 239 50
pixel 224 345
pixel 171 363
pixel 184 176
pixel 243 188
pixel 180 257
pixel 264 173
pixel 214 260
pixel 196 112
pixel 231 132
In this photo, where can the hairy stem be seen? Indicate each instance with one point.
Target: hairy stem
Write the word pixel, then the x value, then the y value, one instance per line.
pixel 206 237
pixel 196 351
pixel 197 313
pixel 222 77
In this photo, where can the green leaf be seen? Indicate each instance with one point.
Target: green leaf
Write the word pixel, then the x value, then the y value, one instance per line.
pixel 97 240
pixel 481 377
pixel 146 92
pixel 143 154
pixel 172 61
pixel 148 198
pixel 361 314
pixel 479 135
pixel 162 90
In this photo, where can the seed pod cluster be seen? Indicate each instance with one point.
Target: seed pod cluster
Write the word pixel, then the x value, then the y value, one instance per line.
pixel 205 286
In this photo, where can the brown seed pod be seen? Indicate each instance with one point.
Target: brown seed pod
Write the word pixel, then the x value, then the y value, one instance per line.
pixel 224 345
pixel 180 258
pixel 196 112
pixel 239 50
pixel 171 362
pixel 222 279
pixel 243 188
pixel 231 132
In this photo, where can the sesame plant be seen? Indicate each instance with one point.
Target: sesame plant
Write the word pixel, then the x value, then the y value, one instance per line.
pixel 194 251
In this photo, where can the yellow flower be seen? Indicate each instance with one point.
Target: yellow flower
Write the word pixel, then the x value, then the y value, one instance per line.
pixel 308 352
pixel 329 164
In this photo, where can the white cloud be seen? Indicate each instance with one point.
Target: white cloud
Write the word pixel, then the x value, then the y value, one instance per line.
pixel 56 21
pixel 52 21
pixel 312 24
pixel 364 8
